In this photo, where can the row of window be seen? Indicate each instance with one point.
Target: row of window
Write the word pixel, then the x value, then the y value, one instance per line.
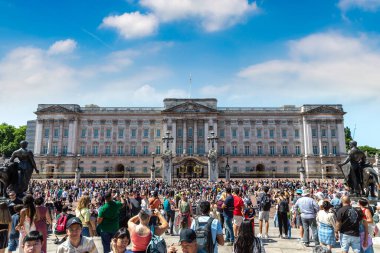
pixel 190 133
pixel 284 150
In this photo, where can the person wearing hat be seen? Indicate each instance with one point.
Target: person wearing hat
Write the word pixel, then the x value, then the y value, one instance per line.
pixel 76 242
pixel 326 225
pixel 188 242
pixel 309 209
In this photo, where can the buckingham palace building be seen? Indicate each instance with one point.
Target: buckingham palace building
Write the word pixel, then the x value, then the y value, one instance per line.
pixel 249 142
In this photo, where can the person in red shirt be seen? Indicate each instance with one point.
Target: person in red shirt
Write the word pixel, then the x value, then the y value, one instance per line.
pixel 238 211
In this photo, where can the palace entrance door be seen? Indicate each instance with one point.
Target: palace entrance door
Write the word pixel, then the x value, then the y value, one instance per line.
pixel 190 168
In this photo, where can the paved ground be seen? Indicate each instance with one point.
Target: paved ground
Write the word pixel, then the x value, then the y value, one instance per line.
pixel 272 245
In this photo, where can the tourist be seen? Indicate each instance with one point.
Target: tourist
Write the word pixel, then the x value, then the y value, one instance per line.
pixel 238 211
pixel 135 203
pixel 309 209
pixel 264 203
pixel 216 227
pixel 76 242
pixel 326 220
pixel 28 215
pixel 297 221
pixel 43 220
pixel 12 201
pixel 247 242
pixel 169 208
pixel 83 213
pixel 120 241
pixel 108 220
pixel 185 212
pixel 140 231
pixel 282 214
pixel 367 216
pixel 14 234
pixel 32 242
pixel 5 226
pixel 348 225
pixel 228 208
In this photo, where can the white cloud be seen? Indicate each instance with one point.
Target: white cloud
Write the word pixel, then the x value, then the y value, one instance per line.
pixel 132 25
pixel 320 68
pixel 62 47
pixel 212 15
pixel 366 5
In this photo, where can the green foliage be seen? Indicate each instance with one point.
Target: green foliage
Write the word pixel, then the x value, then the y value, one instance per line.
pixel 348 137
pixel 10 138
pixel 370 150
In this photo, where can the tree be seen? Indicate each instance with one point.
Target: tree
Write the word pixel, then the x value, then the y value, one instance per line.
pixel 348 137
pixel 10 138
pixel 370 150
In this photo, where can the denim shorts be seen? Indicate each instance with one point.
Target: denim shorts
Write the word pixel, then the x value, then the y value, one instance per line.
pixel 347 241
pixel 12 244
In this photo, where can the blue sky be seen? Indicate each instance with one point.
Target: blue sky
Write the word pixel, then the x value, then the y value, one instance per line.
pixel 244 53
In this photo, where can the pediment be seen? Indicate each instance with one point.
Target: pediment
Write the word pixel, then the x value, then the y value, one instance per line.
pixel 189 107
pixel 325 109
pixel 55 109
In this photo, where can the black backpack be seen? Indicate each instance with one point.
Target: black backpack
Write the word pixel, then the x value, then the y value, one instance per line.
pixel 283 207
pixel 265 202
pixel 204 235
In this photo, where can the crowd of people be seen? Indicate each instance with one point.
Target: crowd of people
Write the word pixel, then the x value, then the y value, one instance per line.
pixel 132 215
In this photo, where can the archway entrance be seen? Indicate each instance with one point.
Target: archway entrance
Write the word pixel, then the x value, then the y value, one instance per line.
pixel 119 170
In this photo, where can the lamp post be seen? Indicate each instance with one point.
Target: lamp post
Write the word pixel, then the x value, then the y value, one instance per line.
pixel 212 139
pixel 107 172
pixel 77 171
pixel 227 170
pixel 167 139
pixel 153 168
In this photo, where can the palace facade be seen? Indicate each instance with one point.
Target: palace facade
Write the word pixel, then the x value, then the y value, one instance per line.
pixel 127 141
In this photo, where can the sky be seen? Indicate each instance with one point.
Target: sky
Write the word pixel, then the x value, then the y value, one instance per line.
pixel 264 53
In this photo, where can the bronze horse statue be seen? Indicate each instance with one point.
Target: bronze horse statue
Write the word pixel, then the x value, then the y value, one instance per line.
pixel 9 179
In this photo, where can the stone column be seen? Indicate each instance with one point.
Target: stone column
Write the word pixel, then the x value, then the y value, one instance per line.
pixel 195 138
pixel 60 141
pixel 341 138
pixel 174 134
pixel 329 139
pixel 70 148
pixel 205 137
pixel 184 135
pixel 50 140
pixel 38 137
pixel 212 165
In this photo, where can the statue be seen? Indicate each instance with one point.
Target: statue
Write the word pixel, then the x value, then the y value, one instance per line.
pixel 20 173
pixel 358 173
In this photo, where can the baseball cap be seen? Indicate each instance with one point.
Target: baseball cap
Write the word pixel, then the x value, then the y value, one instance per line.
pixel 187 235
pixel 72 221
pixel 299 191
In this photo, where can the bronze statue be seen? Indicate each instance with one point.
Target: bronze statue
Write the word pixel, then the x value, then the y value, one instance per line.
pixel 20 173
pixel 357 171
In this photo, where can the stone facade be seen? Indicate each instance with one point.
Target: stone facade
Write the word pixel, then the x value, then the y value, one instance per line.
pixel 119 141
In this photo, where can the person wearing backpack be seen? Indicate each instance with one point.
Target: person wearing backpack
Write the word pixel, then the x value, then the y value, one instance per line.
pixel 264 203
pixel 228 208
pixel 208 230
pixel 348 226
pixel 282 213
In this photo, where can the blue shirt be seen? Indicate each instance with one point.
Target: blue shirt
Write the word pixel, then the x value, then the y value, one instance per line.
pixel 15 234
pixel 216 229
pixel 308 207
pixel 228 210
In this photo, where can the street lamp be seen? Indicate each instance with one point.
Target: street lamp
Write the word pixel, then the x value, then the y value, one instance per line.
pixel 227 170
pixel 153 168
pixel 302 171
pixel 167 139
pixel 212 139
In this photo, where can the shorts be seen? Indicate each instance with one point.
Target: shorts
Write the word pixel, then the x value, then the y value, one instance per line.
pixel 12 244
pixel 264 215
pixel 237 220
pixel 347 241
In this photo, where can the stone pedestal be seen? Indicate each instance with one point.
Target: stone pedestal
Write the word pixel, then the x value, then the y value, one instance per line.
pixel 212 165
pixel 153 174
pixel 77 176
pixel 167 166
pixel 228 176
